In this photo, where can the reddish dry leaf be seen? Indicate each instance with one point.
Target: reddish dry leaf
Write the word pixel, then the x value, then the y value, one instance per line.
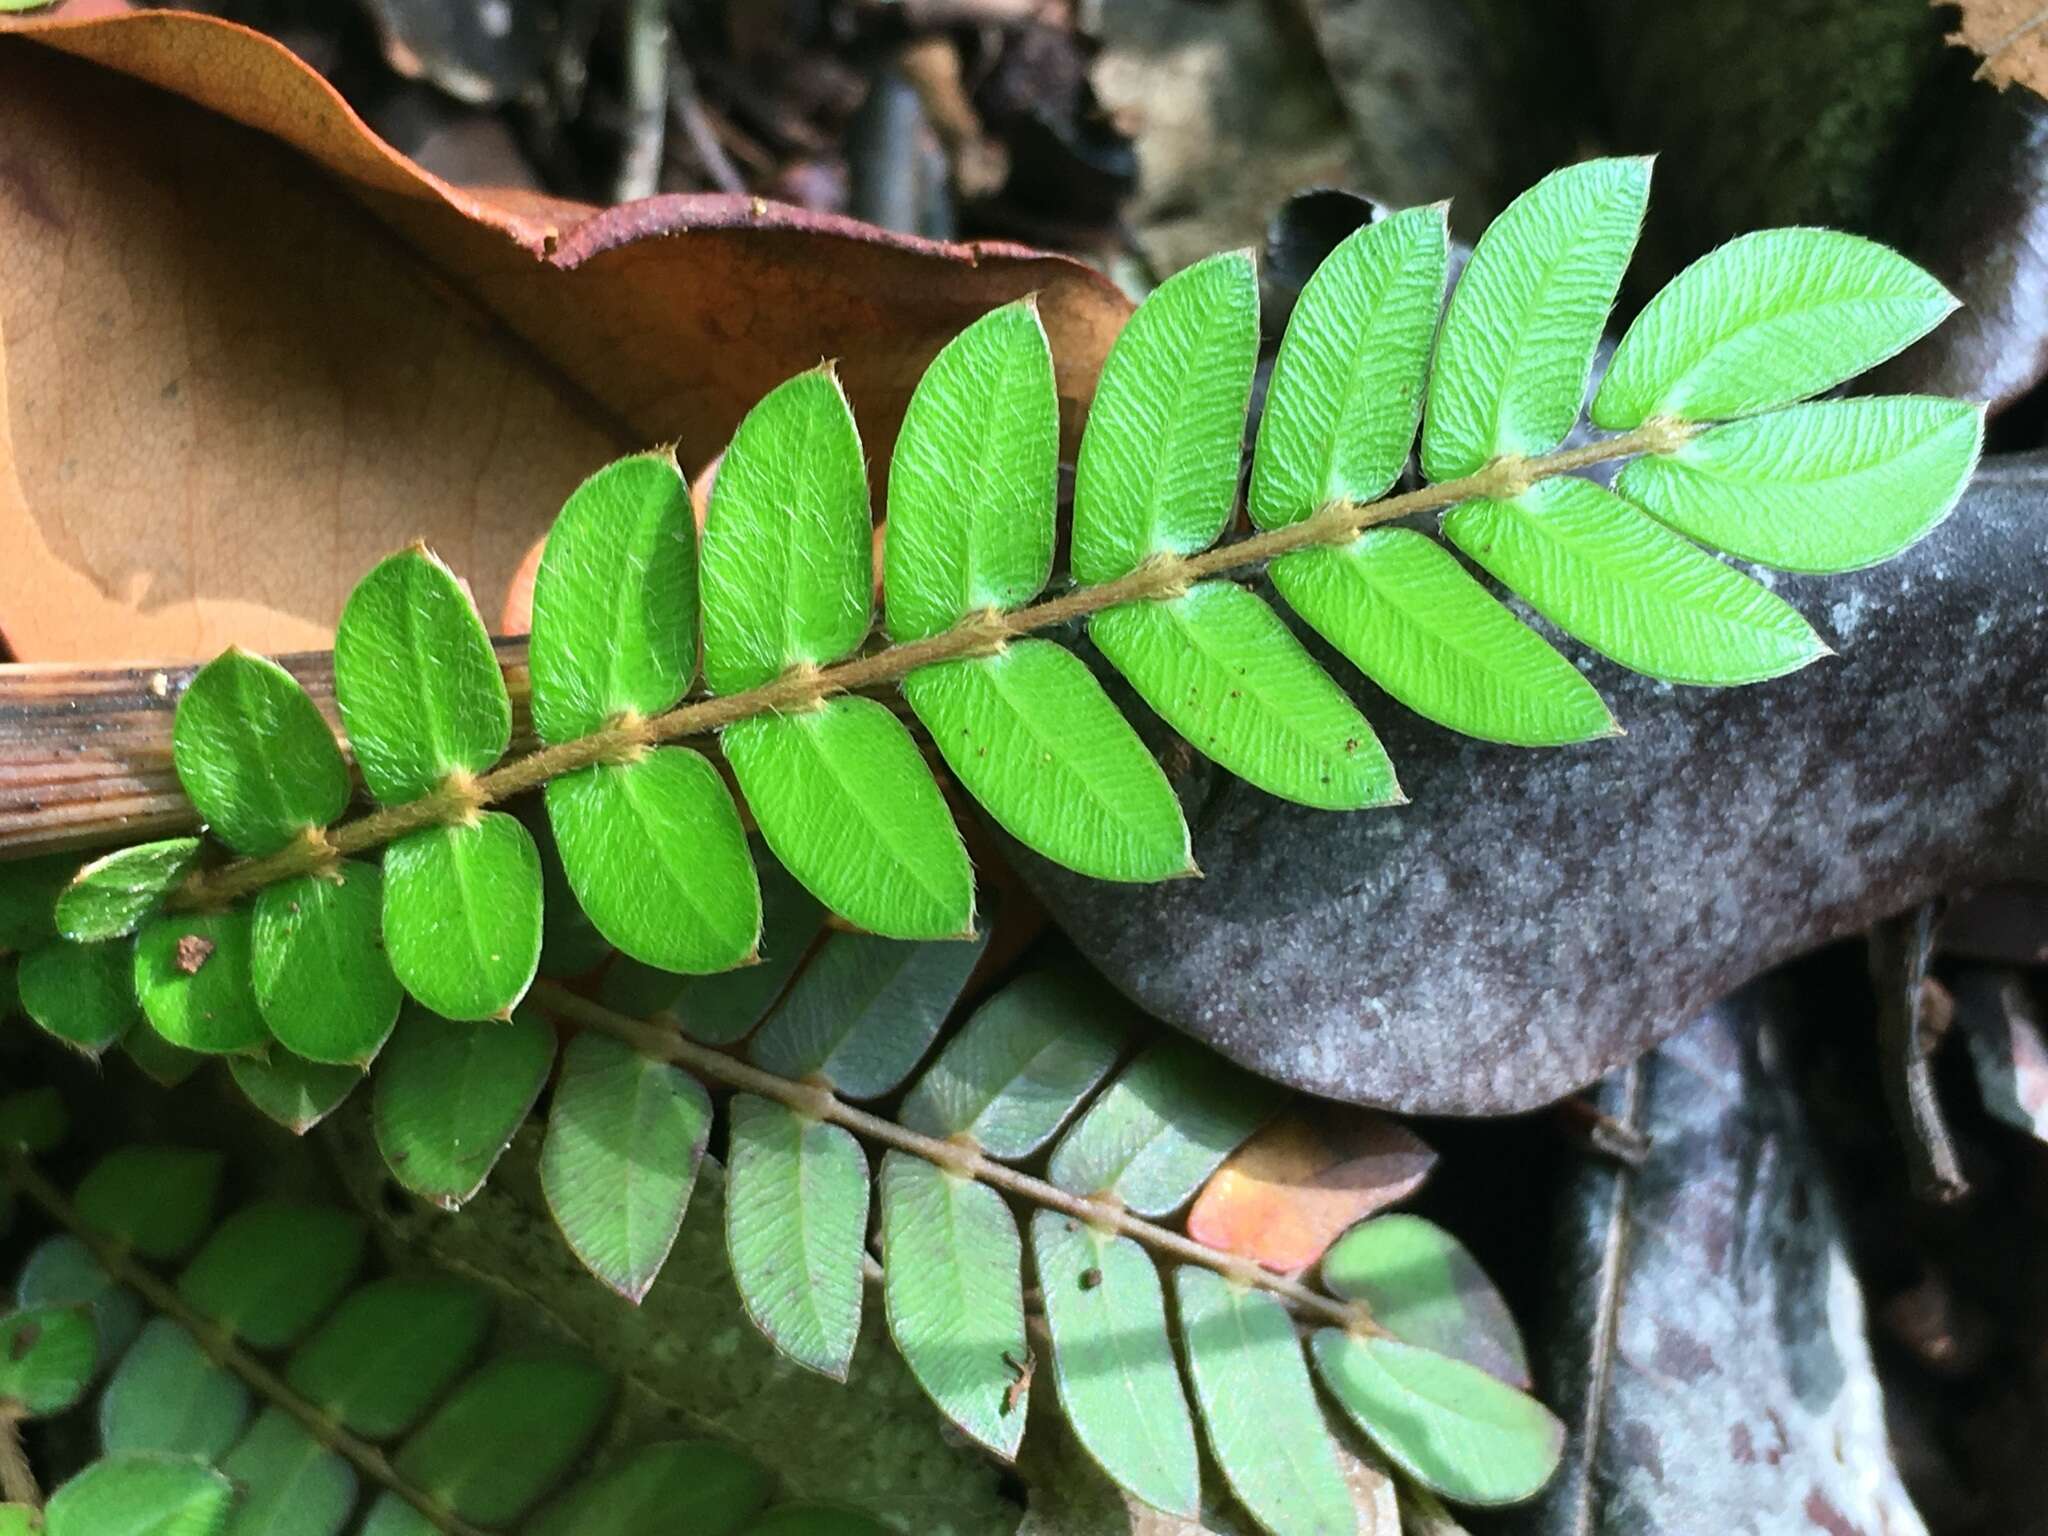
pixel 246 348
pixel 1294 1188
pixel 2011 37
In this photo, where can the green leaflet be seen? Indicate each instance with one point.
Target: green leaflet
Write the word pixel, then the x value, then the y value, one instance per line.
pixel 462 918
pixel 1449 1425
pixel 508 1434
pixel 192 976
pixel 141 1496
pixel 1259 1408
pixel 973 478
pixel 273 1269
pixel 624 1138
pixel 788 559
pixel 1606 573
pixel 814 1520
pixel 322 980
pixel 167 1395
pixel 62 1271
pixel 1158 467
pixel 388 1351
pixel 1426 1289
pixel 657 857
pixel 846 803
pixel 163 1063
pixel 157 1200
pixel 449 1095
pixel 1410 617
pixel 20 1519
pixel 685 1487
pixel 47 1355
pixel 1517 341
pixel 1113 1358
pixel 416 679
pixel 1346 389
pixel 1769 317
pixel 864 1011
pixel 84 994
pixel 254 754
pixel 296 1093
pixel 110 897
pixel 615 600
pixel 1166 1123
pixel 1220 667
pixel 1831 486
pixel 290 1484
pixel 1032 736
pixel 1021 1065
pixel 392 1516
pixel 33 1120
pixel 951 1263
pixel 796 1215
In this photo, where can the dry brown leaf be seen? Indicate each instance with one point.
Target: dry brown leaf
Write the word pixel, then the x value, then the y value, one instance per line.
pixel 2010 35
pixel 238 367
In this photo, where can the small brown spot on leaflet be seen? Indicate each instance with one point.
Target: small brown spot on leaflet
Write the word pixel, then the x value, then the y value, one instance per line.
pixel 193 950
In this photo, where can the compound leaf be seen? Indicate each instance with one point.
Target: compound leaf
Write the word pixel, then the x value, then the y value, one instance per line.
pixel 47 1357
pixel 296 1093
pixel 1608 574
pixel 323 982
pixel 388 1351
pixel 1424 1288
pixel 84 994
pixel 1830 486
pixel 973 478
pixel 462 915
pixel 508 1435
pixel 254 755
pixel 141 1496
pixel 685 1487
pixel 1517 342
pixel 450 1095
pixel 271 1270
pixel 1768 318
pixel 169 1396
pixel 291 1485
pixel 193 978
pixel 844 799
pixel 110 897
pixel 1158 467
pixel 157 1200
pixel 1220 667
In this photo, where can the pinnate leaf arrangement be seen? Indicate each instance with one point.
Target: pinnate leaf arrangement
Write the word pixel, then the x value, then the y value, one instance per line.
pixel 301 959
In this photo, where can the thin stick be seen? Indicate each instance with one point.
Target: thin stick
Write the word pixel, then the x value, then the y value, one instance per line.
pixel 17 1479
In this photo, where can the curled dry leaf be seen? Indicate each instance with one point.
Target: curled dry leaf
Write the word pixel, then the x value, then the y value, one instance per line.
pixel 249 348
pixel 2010 36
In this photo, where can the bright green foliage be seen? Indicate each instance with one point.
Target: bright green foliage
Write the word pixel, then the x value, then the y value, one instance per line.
pixel 1162 1128
pixel 1221 669
pixel 33 1121
pixel 973 478
pixel 47 1355
pixel 1114 1360
pixel 416 679
pixel 950 1278
pixel 63 1272
pixel 28 898
pixel 157 1200
pixel 449 1096
pixel 625 1135
pixel 254 754
pixel 1021 1065
pixel 1608 574
pixel 1410 617
pixel 388 1351
pixel 168 1396
pixel 1423 1287
pixel 615 600
pixel 296 1093
pixel 676 1488
pixel 192 975
pixel 1157 472
pixel 796 1216
pixel 271 1270
pixel 844 799
pixel 1346 389
pixel 1258 1407
pixel 788 561
pixel 322 981
pixel 1467 1435
pixel 110 897
pixel 163 1063
pixel 290 1484
pixel 864 1011
pixel 1831 486
pixel 1518 337
pixel 84 994
pixel 1766 319
pixel 141 1496
pixel 20 1519
pixel 508 1434
pixel 657 857
pixel 1032 736
pixel 462 915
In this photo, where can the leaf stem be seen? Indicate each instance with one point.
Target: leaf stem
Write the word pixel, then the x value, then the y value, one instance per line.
pixel 657 1041
pixel 119 1263
pixel 979 634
